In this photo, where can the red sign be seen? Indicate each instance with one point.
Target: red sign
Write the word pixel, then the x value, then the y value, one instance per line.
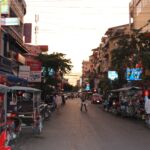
pixel 35 70
pixel 34 65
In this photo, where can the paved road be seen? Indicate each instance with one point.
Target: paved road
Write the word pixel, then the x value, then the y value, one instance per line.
pixel 70 129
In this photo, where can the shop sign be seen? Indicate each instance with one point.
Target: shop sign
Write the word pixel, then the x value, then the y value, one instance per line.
pixel 20 58
pixel 24 72
pixel 10 21
pixel 35 76
pixel 35 70
pixel 34 65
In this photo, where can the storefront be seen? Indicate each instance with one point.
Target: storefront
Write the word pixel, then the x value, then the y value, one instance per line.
pixel 7 76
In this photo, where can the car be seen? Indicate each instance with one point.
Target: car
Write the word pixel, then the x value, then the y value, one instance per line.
pixel 96 98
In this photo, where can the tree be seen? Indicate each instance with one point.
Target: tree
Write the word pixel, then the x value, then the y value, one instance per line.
pixel 131 51
pixel 56 62
pixel 121 59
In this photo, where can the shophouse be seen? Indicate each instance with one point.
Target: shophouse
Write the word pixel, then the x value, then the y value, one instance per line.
pixel 12 48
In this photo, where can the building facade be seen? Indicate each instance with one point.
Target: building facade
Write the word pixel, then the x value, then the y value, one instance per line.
pixel 140 14
pixel 12 48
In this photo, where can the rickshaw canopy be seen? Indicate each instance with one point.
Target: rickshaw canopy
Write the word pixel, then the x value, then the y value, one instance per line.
pixel 3 88
pixel 22 88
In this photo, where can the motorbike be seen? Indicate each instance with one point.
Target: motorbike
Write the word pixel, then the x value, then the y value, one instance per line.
pixel 45 110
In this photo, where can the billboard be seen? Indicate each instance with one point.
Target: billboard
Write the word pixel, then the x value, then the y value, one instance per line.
pixel 4 7
pixel 134 74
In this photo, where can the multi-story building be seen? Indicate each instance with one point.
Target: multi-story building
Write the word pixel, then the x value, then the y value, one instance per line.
pixel 140 18
pixel 86 67
pixel 109 42
pixel 140 14
pixel 11 45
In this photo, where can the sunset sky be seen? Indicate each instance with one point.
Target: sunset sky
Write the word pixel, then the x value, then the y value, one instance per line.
pixel 75 27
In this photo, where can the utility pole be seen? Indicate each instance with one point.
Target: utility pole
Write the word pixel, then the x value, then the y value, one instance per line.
pixel 36 28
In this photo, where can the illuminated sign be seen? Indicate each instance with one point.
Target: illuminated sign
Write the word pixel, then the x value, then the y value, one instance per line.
pixel 134 74
pixel 112 75
pixel 87 88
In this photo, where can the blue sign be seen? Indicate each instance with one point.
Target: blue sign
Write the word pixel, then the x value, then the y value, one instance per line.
pixel 134 74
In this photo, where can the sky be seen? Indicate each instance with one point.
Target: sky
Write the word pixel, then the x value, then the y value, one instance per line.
pixel 75 27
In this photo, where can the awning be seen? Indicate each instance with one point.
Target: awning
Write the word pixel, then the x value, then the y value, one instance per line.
pixel 4 71
pixel 14 80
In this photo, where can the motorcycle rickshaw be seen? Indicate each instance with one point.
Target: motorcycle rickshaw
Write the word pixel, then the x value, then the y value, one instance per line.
pixel 3 119
pixel 26 102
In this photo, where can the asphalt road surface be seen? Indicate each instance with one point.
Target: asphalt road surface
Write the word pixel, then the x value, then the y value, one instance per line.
pixel 71 129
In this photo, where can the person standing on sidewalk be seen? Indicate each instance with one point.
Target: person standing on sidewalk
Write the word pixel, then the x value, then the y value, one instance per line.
pixel 83 101
pixel 63 99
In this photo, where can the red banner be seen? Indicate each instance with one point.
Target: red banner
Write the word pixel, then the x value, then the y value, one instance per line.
pixel 34 65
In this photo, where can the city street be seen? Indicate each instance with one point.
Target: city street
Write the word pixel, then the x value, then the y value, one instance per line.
pixel 71 129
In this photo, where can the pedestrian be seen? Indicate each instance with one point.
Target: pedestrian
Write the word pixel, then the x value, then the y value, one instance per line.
pixel 63 99
pixel 55 101
pixel 147 110
pixel 83 101
pixel 58 100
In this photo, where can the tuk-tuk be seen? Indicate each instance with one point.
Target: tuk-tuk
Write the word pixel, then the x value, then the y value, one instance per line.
pixel 26 104
pixel 3 119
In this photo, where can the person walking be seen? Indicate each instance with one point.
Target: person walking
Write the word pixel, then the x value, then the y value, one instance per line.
pixel 63 99
pixel 83 101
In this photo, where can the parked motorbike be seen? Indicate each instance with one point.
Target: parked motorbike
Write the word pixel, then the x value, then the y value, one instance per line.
pixel 45 110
